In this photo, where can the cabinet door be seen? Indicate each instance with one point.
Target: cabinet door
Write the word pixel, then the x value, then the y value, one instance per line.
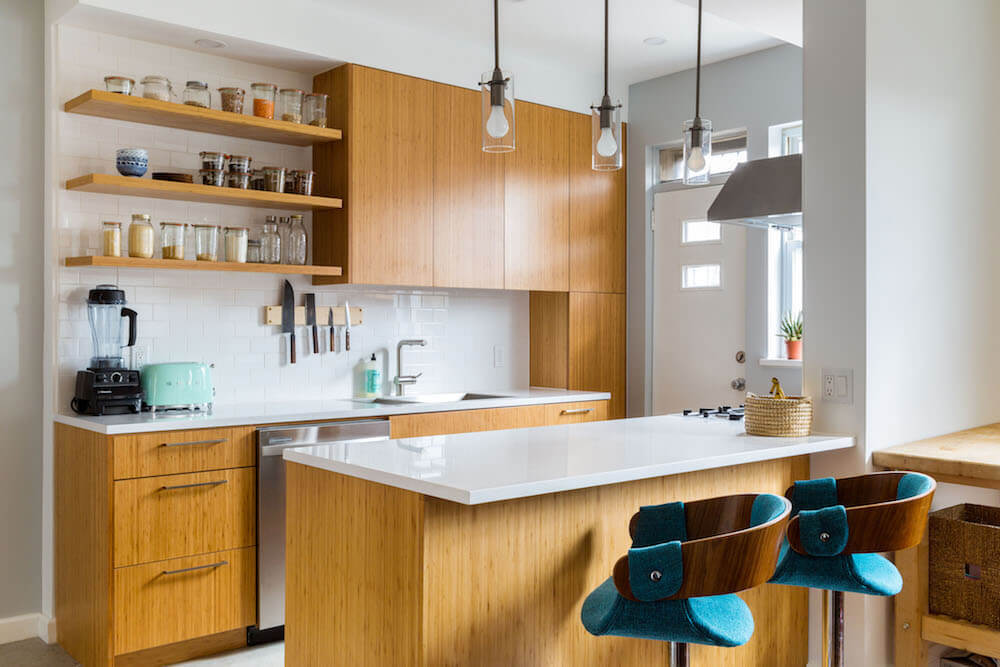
pixel 536 217
pixel 597 346
pixel 596 217
pixel 468 195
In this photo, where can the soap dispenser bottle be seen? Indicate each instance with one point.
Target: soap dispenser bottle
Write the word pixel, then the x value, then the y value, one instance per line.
pixel 373 378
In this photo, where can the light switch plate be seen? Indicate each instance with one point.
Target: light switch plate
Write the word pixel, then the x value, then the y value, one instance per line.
pixel 837 385
pixel 499 356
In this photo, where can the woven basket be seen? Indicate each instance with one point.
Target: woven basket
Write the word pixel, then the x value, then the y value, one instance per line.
pixel 782 417
pixel 963 571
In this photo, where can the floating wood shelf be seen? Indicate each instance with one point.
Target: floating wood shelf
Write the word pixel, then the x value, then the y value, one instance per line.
pixel 113 184
pixel 194 265
pixel 272 316
pixel 187 117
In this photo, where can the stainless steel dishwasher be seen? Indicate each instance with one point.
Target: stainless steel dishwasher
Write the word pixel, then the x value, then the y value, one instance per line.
pixel 271 442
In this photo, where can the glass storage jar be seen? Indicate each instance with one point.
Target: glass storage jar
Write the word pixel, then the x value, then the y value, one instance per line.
pixel 270 242
pixel 212 160
pixel 239 164
pixel 236 244
pixel 231 99
pixel 284 231
pixel 274 179
pixel 303 180
pixel 172 240
pixel 140 236
pixel 290 104
pixel 196 94
pixel 111 235
pixel 314 109
pixel 119 84
pixel 298 241
pixel 263 99
pixel 253 251
pixel 237 179
pixel 155 87
pixel 212 177
pixel 206 243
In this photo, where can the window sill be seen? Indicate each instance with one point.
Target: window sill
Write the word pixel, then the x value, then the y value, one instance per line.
pixel 781 363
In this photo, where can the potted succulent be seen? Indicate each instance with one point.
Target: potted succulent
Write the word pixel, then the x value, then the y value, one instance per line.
pixel 791 331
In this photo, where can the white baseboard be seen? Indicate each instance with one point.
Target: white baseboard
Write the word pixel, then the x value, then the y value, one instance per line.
pixel 21 627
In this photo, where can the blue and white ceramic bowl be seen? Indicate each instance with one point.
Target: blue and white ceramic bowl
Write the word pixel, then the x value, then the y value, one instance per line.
pixel 132 161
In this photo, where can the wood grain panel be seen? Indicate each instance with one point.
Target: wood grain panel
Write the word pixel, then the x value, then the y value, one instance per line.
pixel 910 605
pixel 597 346
pixel 965 457
pixel 170 452
pixel 548 344
pixel 154 606
pixel 155 523
pixel 596 216
pixel 470 421
pixel 195 265
pixel 353 572
pixel 331 230
pixel 83 502
pixel 170 654
pixel 961 635
pixel 536 209
pixel 468 195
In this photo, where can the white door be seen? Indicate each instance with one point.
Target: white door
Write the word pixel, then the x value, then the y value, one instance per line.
pixel 699 303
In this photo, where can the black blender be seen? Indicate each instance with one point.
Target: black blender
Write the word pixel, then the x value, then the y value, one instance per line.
pixel 107 386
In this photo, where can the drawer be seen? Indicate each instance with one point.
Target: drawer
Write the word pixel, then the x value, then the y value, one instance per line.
pixel 170 452
pixel 571 413
pixel 183 598
pixel 469 421
pixel 156 518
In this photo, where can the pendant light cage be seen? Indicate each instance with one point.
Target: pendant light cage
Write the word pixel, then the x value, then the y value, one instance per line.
pixel 606 122
pixel 698 131
pixel 497 99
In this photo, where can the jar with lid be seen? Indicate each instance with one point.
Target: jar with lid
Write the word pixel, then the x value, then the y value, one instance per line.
pixel 303 180
pixel 206 242
pixel 155 87
pixel 196 94
pixel 172 240
pixel 253 251
pixel 274 179
pixel 231 99
pixel 111 235
pixel 140 236
pixel 284 230
pixel 314 109
pixel 298 241
pixel 119 84
pixel 263 99
pixel 270 242
pixel 236 244
pixel 290 104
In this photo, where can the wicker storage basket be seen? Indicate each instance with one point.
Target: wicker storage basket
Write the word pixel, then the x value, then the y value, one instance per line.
pixel 964 563
pixel 783 417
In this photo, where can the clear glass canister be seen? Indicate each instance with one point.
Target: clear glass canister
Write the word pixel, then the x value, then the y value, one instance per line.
pixel 206 243
pixel 119 84
pixel 111 237
pixel 298 242
pixel 140 236
pixel 253 251
pixel 274 179
pixel 314 109
pixel 270 242
pixel 231 99
pixel 236 244
pixel 263 99
pixel 196 94
pixel 290 104
pixel 303 182
pixel 172 240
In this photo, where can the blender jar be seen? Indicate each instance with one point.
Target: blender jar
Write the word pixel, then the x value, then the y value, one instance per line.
pixel 105 310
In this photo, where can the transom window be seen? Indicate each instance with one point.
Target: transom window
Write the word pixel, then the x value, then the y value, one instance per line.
pixel 727 152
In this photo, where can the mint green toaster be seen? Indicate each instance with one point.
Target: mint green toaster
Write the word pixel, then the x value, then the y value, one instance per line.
pixel 179 384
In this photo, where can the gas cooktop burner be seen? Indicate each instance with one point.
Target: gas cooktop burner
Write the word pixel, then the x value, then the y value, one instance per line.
pixel 721 412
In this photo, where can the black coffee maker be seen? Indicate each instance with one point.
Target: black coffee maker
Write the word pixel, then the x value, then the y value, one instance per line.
pixel 107 386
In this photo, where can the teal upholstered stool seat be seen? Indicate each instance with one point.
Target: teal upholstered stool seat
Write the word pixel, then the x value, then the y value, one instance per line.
pixel 672 585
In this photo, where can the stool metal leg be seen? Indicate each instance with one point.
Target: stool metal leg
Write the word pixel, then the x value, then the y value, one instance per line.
pixel 680 655
pixel 837 654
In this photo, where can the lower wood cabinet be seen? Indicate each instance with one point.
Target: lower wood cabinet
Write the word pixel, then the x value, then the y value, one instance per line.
pixel 469 421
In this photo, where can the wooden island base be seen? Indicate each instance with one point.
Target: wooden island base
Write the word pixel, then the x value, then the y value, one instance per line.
pixel 381 576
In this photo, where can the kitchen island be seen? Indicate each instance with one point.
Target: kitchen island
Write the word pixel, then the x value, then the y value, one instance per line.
pixel 478 549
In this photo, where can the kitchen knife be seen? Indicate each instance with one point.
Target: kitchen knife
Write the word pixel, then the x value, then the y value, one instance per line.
pixel 311 320
pixel 347 329
pixel 333 348
pixel 288 317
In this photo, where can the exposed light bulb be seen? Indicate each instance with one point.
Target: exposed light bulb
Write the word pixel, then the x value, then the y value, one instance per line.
pixel 606 145
pixel 497 125
pixel 696 161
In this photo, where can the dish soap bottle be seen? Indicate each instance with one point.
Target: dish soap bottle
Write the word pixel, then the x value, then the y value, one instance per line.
pixel 373 378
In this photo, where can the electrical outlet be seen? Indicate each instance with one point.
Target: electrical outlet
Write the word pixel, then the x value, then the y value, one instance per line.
pixel 499 356
pixel 140 355
pixel 838 385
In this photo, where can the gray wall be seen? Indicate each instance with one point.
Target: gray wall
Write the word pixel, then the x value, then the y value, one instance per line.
pixel 21 257
pixel 752 92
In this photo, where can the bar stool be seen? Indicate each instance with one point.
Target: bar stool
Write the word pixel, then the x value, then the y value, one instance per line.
pixel 837 528
pixel 676 583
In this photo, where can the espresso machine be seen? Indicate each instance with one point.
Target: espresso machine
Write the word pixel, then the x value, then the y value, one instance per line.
pixel 107 386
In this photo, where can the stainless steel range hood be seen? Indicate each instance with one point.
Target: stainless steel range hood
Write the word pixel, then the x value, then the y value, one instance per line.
pixel 762 193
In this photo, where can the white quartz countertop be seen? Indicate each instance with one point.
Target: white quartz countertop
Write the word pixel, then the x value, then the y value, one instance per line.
pixel 474 468
pixel 245 414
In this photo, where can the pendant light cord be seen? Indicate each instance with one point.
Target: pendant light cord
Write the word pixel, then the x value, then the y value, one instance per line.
pixel 496 34
pixel 605 48
pixel 697 75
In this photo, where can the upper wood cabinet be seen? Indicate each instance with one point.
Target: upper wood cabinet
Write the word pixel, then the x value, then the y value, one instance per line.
pixel 596 217
pixel 468 195
pixel 536 220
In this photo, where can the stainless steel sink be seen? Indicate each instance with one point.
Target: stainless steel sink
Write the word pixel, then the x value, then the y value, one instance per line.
pixel 435 398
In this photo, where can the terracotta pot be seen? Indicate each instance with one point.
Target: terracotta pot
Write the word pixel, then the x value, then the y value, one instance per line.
pixel 793 349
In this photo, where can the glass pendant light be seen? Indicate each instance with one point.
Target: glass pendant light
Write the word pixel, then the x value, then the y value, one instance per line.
pixel 606 122
pixel 498 100
pixel 697 132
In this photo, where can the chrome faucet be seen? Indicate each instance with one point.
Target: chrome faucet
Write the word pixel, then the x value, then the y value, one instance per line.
pixel 402 380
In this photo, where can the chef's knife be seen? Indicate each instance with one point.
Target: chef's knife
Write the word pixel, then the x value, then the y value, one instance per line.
pixel 333 348
pixel 288 317
pixel 347 329
pixel 311 320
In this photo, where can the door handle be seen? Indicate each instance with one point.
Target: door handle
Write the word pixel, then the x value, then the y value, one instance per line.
pixel 576 411
pixel 191 486
pixel 196 567
pixel 192 443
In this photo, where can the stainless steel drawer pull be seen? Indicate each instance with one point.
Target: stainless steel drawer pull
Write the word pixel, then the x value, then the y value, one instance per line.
pixel 191 486
pixel 196 442
pixel 196 567
pixel 576 411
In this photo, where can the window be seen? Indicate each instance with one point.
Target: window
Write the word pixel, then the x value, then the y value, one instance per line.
pixel 701 276
pixel 727 152
pixel 700 231
pixel 791 140
pixel 784 253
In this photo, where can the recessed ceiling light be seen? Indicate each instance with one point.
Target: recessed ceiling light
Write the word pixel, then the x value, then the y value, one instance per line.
pixel 206 43
pixel 655 40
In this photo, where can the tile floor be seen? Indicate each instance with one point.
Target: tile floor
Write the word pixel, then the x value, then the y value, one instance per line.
pixel 36 653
